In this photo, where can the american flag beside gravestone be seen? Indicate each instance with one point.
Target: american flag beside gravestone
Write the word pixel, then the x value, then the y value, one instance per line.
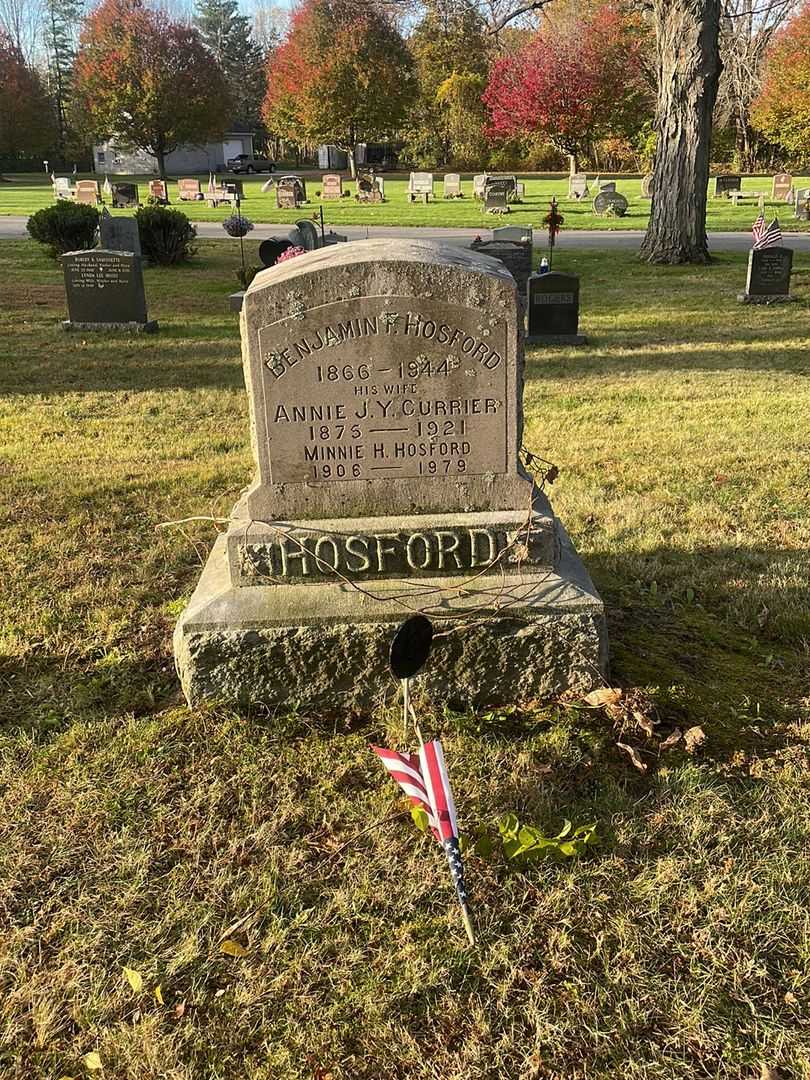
pixel 769 266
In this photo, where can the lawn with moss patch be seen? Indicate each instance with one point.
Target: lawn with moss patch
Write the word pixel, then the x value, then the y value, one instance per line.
pixel 28 193
pixel 134 831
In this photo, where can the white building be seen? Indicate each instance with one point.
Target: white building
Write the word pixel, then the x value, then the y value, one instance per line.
pixel 116 160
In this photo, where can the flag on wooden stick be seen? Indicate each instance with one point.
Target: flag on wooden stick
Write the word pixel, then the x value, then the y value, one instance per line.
pixel 425 781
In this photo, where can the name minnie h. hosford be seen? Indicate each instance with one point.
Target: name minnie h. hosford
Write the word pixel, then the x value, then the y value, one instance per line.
pixel 368 390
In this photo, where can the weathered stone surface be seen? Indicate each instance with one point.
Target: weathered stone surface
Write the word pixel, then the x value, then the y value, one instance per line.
pixel 401 354
pixel 327 647
pixel 364 549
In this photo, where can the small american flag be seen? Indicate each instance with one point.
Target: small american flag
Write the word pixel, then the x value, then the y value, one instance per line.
pixel 424 780
pixel 766 237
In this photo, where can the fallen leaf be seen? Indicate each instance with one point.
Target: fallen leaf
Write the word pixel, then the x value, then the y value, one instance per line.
pixel 644 722
pixel 605 695
pixel 218 993
pixel 136 1016
pixel 158 992
pixel 790 998
pixel 92 1061
pixel 232 948
pixel 134 978
pixel 694 738
pixel 180 1010
pixel 634 756
pixel 671 739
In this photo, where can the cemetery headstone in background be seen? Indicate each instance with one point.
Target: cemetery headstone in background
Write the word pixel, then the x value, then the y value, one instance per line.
pixel 516 256
pixel 782 187
pixel 188 189
pixel 308 236
pixel 119 233
pixel 385 391
pixel 726 183
pixel 369 188
pixel 647 186
pixel 420 186
pixel 125 196
pixel 479 184
pixel 801 208
pixel 521 233
pixel 159 192
pixel 610 201
pixel 105 291
pixel 290 192
pixel 768 280
pixel 87 192
pixel 496 195
pixel 578 186
pixel 452 186
pixel 553 309
pixel 331 187
pixel 606 185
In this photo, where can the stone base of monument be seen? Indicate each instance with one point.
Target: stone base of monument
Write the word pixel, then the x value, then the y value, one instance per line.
pixel 501 638
pixel 235 300
pixel 753 298
pixel 150 327
pixel 557 339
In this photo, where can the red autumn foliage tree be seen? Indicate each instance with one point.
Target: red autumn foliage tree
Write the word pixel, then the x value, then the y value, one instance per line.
pixel 782 111
pixel 575 85
pixel 342 75
pixel 26 120
pixel 146 81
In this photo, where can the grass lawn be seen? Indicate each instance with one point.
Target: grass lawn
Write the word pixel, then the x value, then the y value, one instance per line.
pixel 134 832
pixel 28 193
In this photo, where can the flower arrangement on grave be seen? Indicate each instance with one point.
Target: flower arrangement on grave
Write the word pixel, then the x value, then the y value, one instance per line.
pixel 290 253
pixel 237 225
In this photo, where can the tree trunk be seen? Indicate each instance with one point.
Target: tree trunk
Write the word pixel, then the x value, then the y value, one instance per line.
pixel 689 68
pixel 160 154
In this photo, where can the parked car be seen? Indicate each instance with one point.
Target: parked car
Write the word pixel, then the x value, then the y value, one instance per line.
pixel 250 163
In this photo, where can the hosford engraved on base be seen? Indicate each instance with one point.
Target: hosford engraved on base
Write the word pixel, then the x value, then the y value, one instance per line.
pixel 371 389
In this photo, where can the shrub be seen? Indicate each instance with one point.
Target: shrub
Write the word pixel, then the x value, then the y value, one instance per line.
pixel 167 236
pixel 65 226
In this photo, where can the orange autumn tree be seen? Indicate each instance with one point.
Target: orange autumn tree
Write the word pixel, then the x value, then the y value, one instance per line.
pixel 146 81
pixel 342 75
pixel 782 110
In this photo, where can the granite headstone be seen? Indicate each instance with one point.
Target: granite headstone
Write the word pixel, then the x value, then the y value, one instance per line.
pixel 384 383
pixel 768 280
pixel 119 233
pixel 553 309
pixel 105 291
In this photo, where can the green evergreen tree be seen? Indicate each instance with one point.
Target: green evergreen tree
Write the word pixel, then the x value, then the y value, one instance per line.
pixel 61 27
pixel 229 37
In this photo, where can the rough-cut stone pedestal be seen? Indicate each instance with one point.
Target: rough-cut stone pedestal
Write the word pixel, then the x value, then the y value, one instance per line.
pixel 326 646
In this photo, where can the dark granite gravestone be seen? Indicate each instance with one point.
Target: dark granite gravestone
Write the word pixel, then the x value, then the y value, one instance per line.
pixel 368 188
pixel 105 291
pixel 496 195
pixel 125 196
pixel 612 201
pixel 553 309
pixel 269 250
pixel 384 382
pixel 235 187
pixel 768 280
pixel 606 185
pixel 290 192
pixel 725 184
pixel 309 237
pixel 118 233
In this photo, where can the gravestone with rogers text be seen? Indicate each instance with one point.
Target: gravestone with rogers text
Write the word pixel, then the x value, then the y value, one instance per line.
pixel 384 387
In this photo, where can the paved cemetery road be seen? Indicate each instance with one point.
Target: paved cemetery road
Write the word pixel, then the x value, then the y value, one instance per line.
pixel 13 228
